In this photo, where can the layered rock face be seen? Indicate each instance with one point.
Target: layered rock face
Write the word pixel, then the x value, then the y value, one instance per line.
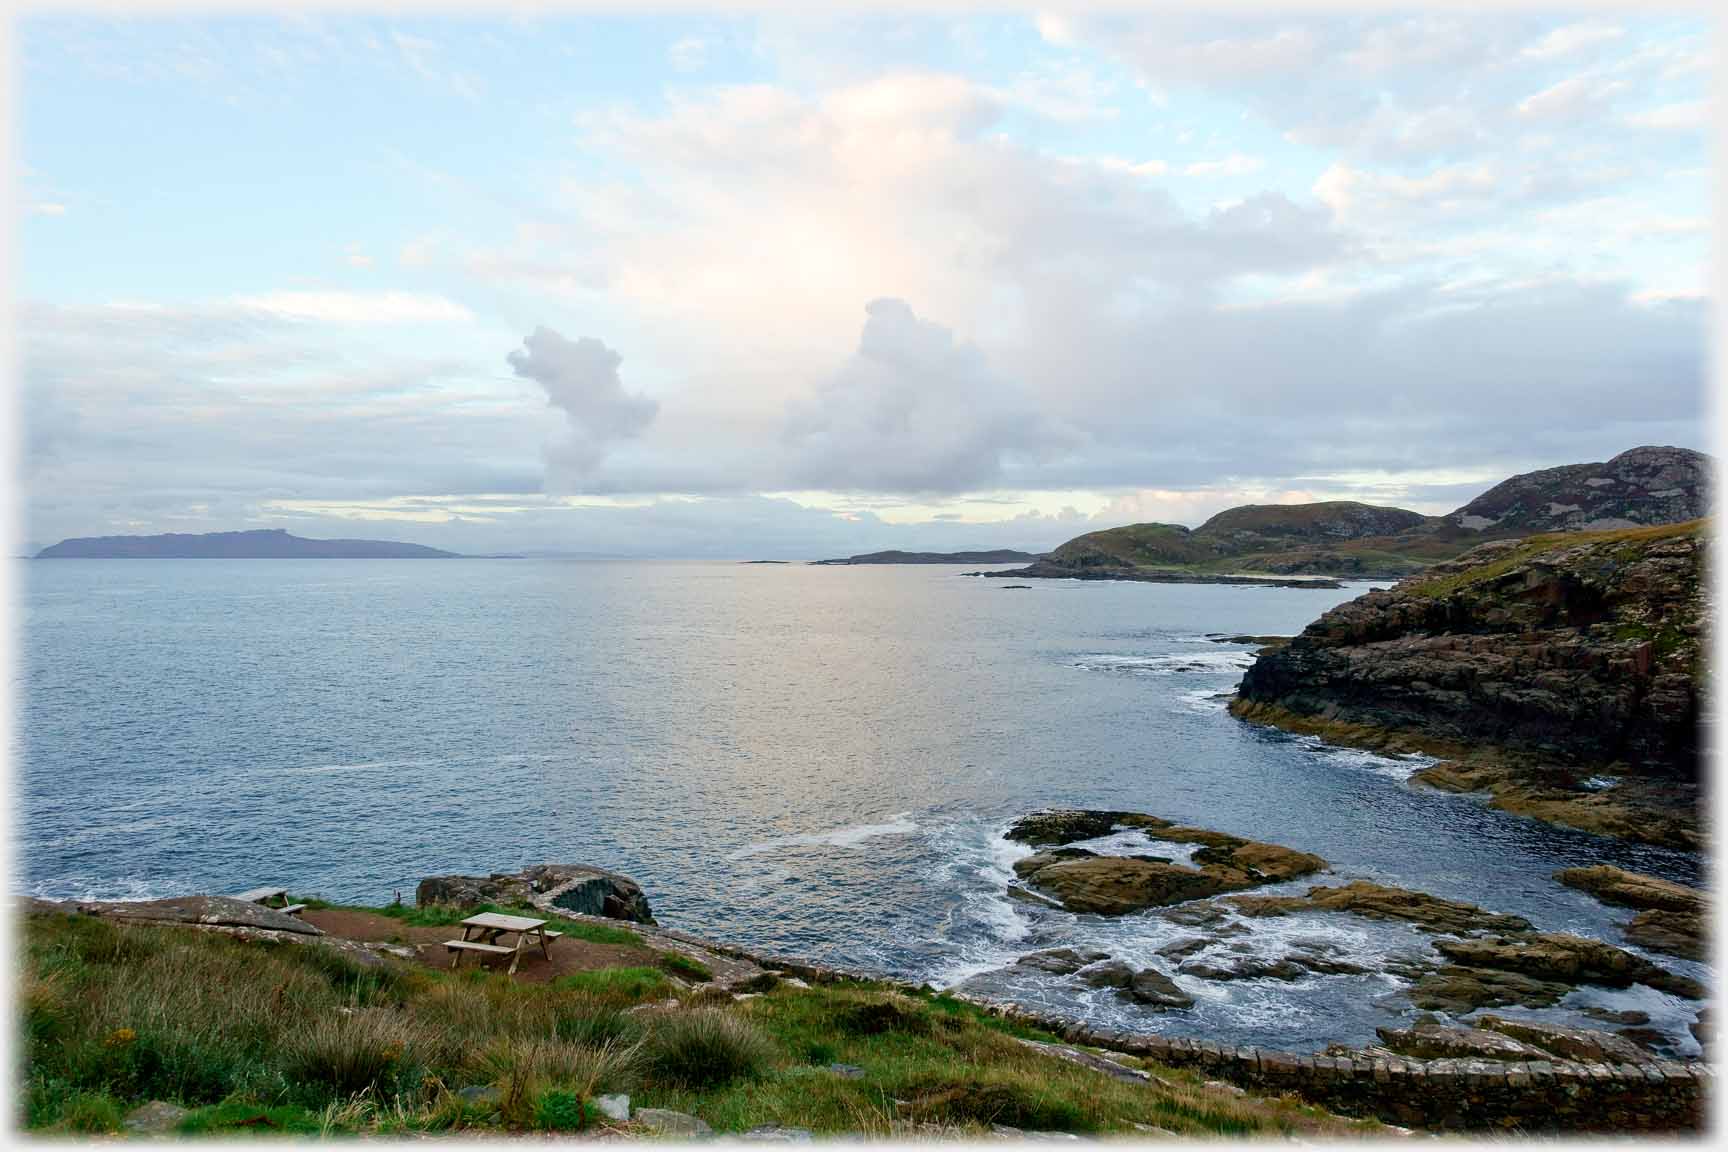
pixel 550 887
pixel 1579 649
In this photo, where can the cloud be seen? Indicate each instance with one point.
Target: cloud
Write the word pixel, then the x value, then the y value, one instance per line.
pixel 358 309
pixel 1687 116
pixel 581 379
pixel 1571 98
pixel 1235 164
pixel 45 208
pixel 913 410
pixel 1571 38
pixel 688 55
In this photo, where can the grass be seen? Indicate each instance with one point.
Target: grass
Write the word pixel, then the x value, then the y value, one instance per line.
pixel 681 965
pixel 296 1039
pixel 1628 539
pixel 441 916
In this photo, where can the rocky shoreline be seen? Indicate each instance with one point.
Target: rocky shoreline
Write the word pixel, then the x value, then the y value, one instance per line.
pixel 1561 674
pixel 1045 570
pixel 1465 1068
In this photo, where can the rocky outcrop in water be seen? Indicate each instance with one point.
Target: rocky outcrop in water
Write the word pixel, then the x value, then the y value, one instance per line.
pixel 1564 672
pixel 1671 917
pixel 549 887
pixel 1084 881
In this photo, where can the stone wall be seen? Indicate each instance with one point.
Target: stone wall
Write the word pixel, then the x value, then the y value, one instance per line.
pixel 1538 1096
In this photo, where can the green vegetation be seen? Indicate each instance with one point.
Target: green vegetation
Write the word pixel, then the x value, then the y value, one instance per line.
pixel 439 916
pixel 296 1038
pixel 1630 539
pixel 681 965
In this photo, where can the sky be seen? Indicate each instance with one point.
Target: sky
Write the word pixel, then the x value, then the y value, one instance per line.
pixel 784 286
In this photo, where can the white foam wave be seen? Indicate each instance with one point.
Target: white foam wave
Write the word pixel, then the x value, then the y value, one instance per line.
pixel 1169 664
pixel 1399 768
pixel 900 824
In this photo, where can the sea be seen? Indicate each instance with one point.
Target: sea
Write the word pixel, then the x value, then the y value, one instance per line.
pixel 807 761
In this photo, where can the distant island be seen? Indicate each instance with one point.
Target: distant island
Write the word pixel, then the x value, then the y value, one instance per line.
pixel 994 556
pixel 261 544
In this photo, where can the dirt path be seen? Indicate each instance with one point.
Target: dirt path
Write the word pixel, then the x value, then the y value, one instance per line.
pixel 569 954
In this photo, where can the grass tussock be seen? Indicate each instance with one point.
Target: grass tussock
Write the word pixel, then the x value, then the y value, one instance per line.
pixel 300 1039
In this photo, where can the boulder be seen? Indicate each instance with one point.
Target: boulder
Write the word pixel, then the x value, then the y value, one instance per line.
pixel 1185 947
pixel 1106 974
pixel 614 1107
pixel 1429 1039
pixel 155 1118
pixel 666 1122
pixel 1153 988
pixel 1061 961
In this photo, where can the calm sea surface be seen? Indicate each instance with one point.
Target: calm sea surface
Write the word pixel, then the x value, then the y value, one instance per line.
pixel 805 760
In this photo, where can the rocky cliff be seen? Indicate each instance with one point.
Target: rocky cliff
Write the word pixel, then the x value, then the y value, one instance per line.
pixel 1649 485
pixel 1568 667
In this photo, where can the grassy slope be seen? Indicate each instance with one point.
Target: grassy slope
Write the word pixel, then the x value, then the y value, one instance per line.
pixel 296 1038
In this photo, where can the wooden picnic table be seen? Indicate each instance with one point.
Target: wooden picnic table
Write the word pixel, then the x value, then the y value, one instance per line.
pixel 481 931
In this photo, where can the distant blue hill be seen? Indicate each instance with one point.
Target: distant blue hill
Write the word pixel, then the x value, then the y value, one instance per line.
pixel 262 544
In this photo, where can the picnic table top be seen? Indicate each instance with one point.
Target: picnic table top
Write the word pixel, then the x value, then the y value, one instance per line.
pixel 258 894
pixel 503 923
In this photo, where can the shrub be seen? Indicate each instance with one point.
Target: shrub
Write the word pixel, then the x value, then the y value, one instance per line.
pixel 891 1013
pixel 681 965
pixel 590 1023
pixel 350 1052
pixel 91 1112
pixel 703 1047
pixel 558 1111
pixel 1009 1102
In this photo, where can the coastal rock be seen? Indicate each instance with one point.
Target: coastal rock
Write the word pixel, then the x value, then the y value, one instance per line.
pixel 1586 1044
pixel 1613 885
pixel 1061 961
pixel 1117 885
pixel 1681 934
pixel 1248 968
pixel 1066 825
pixel 1563 958
pixel 549 887
pixel 1380 902
pixel 1083 881
pixel 1456 989
pixel 1153 988
pixel 1567 665
pixel 614 1107
pixel 1430 1039
pixel 1107 974
pixel 1185 947
pixel 1672 917
pixel 221 911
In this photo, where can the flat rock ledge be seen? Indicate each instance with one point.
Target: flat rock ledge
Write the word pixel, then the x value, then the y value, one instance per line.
pixel 1080 880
